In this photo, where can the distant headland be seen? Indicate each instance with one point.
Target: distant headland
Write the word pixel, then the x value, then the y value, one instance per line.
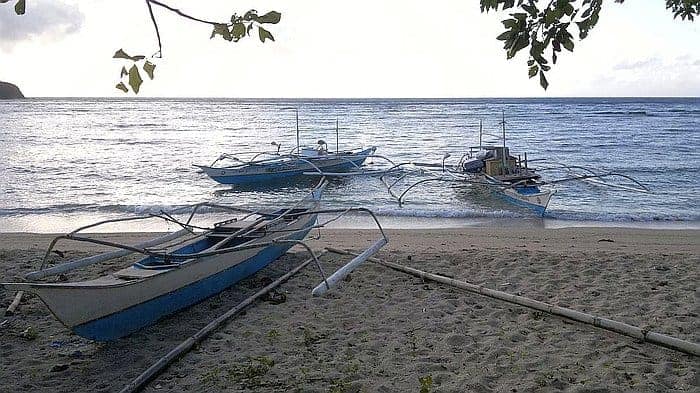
pixel 9 91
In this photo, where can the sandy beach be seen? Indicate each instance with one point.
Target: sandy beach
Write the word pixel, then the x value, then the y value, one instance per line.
pixel 386 331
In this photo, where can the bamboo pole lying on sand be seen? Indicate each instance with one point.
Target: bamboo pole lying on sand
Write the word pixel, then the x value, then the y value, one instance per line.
pixel 157 367
pixel 615 326
pixel 15 303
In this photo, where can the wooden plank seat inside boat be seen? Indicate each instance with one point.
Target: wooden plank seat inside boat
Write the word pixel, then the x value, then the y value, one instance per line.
pixel 214 240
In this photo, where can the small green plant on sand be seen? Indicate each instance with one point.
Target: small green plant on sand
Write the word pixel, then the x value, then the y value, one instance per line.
pixel 309 337
pixel 272 335
pixel 339 386
pixel 29 334
pixel 426 383
pixel 250 374
pixel 210 377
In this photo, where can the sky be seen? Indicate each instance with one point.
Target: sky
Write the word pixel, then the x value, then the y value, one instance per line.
pixel 325 49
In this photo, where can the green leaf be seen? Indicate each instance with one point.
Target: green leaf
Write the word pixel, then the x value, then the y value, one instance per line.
pixel 505 35
pixel 20 7
pixel 543 81
pixel 272 17
pixel 568 9
pixel 531 9
pixel 264 34
pixel 249 16
pixel 222 30
pixel 121 86
pixel 533 71
pixel 124 72
pixel 568 45
pixel 522 41
pixel 549 17
pixel 238 31
pixel 135 79
pixel 149 67
pixel 510 23
pixel 120 54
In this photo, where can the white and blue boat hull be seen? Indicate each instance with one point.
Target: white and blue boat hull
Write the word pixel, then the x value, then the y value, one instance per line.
pixel 132 319
pixel 529 197
pixel 286 169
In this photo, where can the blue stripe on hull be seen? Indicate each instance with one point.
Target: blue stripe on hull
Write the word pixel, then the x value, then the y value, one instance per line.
pixel 273 176
pixel 134 318
pixel 536 208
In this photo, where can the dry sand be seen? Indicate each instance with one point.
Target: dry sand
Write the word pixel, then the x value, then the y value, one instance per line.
pixel 384 331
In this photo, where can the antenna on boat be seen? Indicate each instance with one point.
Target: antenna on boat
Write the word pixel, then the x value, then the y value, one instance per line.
pixel 337 139
pixel 503 122
pixel 296 111
pixel 480 132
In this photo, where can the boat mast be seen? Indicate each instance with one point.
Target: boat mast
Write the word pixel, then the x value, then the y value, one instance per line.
pixel 337 143
pixel 296 111
pixel 480 132
pixel 503 122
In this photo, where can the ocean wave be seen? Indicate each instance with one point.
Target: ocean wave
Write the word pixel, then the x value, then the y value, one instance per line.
pixel 445 213
pixel 692 111
pixel 623 113
pixel 134 125
pixel 386 211
pixel 621 217
pixel 107 209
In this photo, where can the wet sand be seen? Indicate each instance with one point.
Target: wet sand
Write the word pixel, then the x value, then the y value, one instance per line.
pixel 385 331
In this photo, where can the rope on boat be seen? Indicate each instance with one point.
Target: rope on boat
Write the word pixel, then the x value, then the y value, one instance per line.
pixel 162 363
pixel 608 324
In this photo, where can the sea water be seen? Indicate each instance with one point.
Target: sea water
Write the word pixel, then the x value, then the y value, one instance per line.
pixel 66 162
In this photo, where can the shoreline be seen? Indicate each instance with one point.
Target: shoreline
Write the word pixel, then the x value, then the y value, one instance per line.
pixel 384 331
pixel 58 223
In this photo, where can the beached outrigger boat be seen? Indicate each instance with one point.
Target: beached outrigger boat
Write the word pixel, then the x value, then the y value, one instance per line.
pixel 273 166
pixel 507 176
pixel 198 263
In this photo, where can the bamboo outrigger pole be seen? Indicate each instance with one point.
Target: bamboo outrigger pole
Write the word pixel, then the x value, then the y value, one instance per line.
pixel 608 324
pixel 155 369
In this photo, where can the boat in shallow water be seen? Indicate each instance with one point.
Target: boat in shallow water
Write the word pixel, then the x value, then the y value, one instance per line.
pixel 278 167
pixel 266 167
pixel 508 177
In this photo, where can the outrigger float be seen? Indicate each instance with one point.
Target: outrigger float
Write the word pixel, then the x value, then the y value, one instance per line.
pixel 182 268
pixel 494 168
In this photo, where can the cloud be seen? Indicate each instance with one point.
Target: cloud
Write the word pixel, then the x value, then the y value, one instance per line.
pixel 650 62
pixel 44 19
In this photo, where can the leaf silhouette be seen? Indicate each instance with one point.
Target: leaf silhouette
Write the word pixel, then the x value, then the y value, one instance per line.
pixel 135 80
pixel 264 34
pixel 149 67
pixel 121 86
